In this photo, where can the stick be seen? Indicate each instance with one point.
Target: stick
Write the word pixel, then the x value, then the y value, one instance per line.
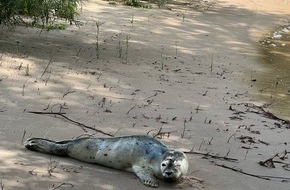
pixel 161 133
pixel 213 156
pixel 23 87
pixel 47 113
pixel 47 65
pixel 265 113
pixel 211 63
pixel 84 127
pixel 156 93
pixel 79 51
pixel 231 137
pixel 68 92
pixel 24 133
pixel 201 144
pixel 184 126
pixel 158 133
pixel 46 81
pixel 131 109
pixel 209 142
pixel 1 185
pixel 197 109
pixel 63 184
pixel 2 109
pixel 265 177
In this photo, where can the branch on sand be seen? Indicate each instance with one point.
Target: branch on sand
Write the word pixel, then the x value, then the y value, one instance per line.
pixel 62 114
pixel 208 155
pixel 264 177
pixel 261 111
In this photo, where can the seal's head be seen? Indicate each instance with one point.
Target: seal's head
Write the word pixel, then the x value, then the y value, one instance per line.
pixel 174 165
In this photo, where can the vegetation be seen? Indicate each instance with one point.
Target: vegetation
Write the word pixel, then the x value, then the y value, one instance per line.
pixel 42 12
pixel 137 3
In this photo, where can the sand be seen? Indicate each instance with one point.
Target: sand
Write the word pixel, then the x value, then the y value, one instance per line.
pixel 184 71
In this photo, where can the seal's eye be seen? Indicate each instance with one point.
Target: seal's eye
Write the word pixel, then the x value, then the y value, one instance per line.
pixel 163 164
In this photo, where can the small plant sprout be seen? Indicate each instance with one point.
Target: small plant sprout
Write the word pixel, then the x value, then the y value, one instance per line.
pixel 120 45
pixel 132 20
pixel 183 15
pixel 1 63
pixel 27 70
pixel 17 46
pixel 211 63
pixel 149 25
pixel 1 185
pixel 162 60
pixel 127 47
pixel 176 41
pixel 162 57
pixel 98 24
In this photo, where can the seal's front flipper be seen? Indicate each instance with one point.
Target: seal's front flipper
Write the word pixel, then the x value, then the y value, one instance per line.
pixel 145 175
pixel 47 146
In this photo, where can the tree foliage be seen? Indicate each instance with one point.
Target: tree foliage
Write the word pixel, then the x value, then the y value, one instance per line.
pixel 43 11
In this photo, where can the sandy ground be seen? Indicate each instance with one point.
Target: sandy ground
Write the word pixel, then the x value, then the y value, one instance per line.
pixel 190 63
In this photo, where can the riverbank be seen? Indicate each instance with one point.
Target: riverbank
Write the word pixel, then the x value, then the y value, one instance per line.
pixel 274 83
pixel 185 73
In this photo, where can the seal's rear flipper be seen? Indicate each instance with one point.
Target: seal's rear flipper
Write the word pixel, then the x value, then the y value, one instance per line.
pixel 47 146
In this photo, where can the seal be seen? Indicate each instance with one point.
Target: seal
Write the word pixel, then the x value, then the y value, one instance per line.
pixel 148 158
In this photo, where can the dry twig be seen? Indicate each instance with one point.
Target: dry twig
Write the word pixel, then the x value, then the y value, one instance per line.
pixel 264 177
pixel 1 185
pixel 156 93
pixel 231 137
pixel 63 184
pixel 160 134
pixel 84 127
pixel 184 127
pixel 213 156
pixel 3 108
pixel 261 110
pixel 131 109
pixel 24 133
pixel 68 92
pixel 49 62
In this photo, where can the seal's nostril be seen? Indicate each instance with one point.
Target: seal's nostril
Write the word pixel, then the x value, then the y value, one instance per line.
pixel 168 173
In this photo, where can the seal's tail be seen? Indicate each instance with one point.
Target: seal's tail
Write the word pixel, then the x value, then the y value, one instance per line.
pixel 47 146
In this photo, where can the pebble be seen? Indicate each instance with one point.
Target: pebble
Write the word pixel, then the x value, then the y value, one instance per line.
pixel 277 36
pixel 285 30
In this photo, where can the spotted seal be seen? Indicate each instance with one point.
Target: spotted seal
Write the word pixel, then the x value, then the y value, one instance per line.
pixel 145 156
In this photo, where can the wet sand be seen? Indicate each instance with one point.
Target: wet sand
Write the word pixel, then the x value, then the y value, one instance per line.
pixel 274 84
